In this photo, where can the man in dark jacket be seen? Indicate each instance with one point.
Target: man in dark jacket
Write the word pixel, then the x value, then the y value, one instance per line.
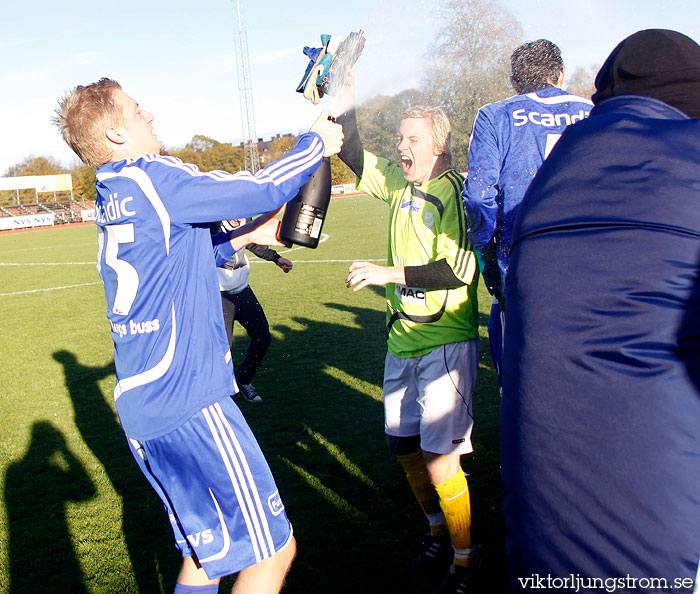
pixel 601 385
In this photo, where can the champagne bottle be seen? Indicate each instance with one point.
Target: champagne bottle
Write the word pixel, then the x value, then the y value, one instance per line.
pixel 304 215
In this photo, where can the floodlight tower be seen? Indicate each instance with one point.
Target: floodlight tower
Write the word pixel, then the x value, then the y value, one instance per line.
pixel 245 94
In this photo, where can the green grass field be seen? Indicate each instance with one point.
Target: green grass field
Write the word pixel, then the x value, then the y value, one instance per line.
pixel 78 517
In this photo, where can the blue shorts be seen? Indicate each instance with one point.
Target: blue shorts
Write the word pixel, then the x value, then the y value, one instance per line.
pixel 217 488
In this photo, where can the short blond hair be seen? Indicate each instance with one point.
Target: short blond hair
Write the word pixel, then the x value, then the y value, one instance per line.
pixel 82 116
pixel 440 127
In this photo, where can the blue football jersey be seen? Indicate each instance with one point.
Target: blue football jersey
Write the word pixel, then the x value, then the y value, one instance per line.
pixel 510 140
pixel 157 260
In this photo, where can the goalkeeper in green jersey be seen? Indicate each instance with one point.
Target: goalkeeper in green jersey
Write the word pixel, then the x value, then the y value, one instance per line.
pixel 432 336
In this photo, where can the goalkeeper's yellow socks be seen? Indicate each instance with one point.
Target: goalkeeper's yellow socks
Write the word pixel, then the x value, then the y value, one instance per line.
pixel 447 506
pixel 456 507
pixel 424 491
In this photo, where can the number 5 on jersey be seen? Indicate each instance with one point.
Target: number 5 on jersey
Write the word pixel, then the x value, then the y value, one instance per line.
pixel 110 239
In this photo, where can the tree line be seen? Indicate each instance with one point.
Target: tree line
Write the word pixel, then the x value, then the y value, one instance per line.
pixel 467 67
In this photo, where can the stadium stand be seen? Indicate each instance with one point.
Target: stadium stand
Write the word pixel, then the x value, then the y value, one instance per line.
pixel 26 197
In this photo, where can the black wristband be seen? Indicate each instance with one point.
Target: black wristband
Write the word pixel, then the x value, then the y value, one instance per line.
pixel 434 275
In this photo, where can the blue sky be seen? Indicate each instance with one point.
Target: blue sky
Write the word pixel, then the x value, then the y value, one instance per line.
pixel 177 58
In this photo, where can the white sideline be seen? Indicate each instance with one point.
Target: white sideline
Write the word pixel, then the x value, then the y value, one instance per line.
pixel 45 263
pixel 324 237
pixel 49 289
pixel 297 262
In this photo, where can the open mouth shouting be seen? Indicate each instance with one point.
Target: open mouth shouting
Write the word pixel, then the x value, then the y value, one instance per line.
pixel 406 164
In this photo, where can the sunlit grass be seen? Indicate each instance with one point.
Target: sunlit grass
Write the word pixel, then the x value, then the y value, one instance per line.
pixel 77 516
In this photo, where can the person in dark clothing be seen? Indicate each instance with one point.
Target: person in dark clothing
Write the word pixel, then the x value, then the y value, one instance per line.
pixel 601 391
pixel 241 305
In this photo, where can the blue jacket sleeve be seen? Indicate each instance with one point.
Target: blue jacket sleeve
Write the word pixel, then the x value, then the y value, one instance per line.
pixel 223 250
pixel 481 186
pixel 192 196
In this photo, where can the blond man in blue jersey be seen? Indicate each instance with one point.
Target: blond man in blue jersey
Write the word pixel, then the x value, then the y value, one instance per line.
pixel 157 261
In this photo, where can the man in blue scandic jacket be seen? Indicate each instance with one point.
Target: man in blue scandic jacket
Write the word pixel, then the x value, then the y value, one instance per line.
pixel 601 367
pixel 509 142
pixel 157 260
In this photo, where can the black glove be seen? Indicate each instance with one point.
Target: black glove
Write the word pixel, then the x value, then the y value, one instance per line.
pixel 492 272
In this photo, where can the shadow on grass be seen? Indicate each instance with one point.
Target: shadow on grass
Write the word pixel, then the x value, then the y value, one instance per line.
pixel 145 527
pixel 321 427
pixel 37 489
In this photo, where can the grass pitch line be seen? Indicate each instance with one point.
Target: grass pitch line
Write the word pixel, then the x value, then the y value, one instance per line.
pixel 252 261
pixel 45 248
pixel 50 289
pixel 45 263
pixel 325 261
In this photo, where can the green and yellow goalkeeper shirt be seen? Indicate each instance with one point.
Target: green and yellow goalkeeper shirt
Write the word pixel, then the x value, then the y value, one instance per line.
pixel 427 223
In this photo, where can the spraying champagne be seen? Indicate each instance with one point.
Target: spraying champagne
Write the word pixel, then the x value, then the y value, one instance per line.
pixel 304 215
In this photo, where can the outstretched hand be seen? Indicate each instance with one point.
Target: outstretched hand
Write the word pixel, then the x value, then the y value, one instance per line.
pixel 362 274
